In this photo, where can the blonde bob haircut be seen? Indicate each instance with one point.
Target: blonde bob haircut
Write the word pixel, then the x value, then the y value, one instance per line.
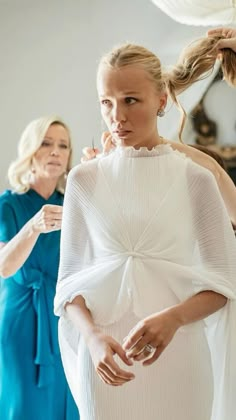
pixel 19 172
pixel 196 62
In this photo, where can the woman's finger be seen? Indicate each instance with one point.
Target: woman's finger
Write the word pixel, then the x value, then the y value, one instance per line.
pixel 109 376
pixel 89 152
pixel 134 336
pixel 155 356
pixel 226 43
pixel 143 355
pixel 219 31
pixel 117 371
pixel 139 346
pixel 107 142
pixel 122 354
pixel 105 136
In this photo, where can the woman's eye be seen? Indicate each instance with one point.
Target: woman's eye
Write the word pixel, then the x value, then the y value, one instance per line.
pixel 64 146
pixel 105 102
pixel 130 100
pixel 45 143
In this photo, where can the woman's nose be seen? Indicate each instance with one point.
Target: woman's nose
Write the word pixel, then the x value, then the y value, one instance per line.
pixel 55 151
pixel 118 114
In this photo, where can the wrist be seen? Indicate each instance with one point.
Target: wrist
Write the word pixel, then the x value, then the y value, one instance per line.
pixel 31 229
pixel 178 315
pixel 91 334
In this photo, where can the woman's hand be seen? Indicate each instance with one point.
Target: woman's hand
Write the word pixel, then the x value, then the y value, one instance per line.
pixel 102 349
pixel 156 331
pixel 107 145
pixel 48 219
pixel 230 37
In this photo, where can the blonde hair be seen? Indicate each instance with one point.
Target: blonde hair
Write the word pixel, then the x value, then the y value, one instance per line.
pixel 30 141
pixel 195 63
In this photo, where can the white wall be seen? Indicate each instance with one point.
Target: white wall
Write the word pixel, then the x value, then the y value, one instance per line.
pixel 49 54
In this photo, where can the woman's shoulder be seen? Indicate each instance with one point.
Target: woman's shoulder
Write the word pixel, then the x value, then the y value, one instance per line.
pixel 9 204
pixel 82 171
pixel 9 197
pixel 197 156
pixel 199 165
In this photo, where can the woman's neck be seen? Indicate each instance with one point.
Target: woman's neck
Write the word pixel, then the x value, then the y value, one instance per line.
pixel 148 143
pixel 45 188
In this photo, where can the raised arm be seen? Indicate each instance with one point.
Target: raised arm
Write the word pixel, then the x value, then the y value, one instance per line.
pixel 15 252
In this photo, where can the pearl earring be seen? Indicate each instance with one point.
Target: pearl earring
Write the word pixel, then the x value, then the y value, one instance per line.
pixel 161 112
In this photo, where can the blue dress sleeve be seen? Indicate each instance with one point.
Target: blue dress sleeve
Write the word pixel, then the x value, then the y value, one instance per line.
pixel 8 225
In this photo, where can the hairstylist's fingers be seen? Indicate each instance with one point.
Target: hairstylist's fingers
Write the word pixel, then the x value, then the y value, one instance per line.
pixel 89 153
pixel 227 43
pixel 104 137
pixel 216 31
pixel 107 141
pixel 225 32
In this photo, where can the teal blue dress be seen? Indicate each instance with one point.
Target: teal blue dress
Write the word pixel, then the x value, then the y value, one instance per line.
pixel 32 380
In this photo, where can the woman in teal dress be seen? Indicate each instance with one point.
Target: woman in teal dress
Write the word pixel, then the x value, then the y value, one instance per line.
pixel 32 381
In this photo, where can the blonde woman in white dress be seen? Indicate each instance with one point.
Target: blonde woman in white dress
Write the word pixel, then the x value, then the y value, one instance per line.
pixel 147 279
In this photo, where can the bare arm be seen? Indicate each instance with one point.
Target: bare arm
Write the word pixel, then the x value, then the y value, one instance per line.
pixel 14 253
pixel 159 329
pixel 101 346
pixel 198 307
pixel 225 183
pixel 81 317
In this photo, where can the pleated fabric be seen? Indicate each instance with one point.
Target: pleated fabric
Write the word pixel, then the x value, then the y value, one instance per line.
pixel 142 231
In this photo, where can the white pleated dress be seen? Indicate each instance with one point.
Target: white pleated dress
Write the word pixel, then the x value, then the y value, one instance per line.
pixel 142 231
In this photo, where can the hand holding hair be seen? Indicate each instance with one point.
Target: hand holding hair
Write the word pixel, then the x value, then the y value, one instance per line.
pixel 229 35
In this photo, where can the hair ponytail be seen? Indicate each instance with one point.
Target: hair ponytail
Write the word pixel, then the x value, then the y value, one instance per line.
pixel 196 63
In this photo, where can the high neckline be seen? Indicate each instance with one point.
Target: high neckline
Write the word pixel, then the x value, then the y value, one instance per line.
pixel 130 151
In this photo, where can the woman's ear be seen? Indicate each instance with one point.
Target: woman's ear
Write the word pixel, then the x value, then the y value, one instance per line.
pixel 163 100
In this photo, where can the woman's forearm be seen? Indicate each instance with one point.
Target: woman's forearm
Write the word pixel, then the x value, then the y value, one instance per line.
pixel 81 317
pixel 198 307
pixel 14 253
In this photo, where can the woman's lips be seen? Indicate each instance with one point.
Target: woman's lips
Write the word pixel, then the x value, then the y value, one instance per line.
pixel 54 163
pixel 122 133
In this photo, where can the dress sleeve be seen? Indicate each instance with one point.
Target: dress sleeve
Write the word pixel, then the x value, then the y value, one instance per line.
pixel 216 245
pixel 8 226
pixel 217 262
pixel 75 246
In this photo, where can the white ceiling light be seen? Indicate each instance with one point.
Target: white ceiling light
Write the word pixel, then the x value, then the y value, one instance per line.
pixel 200 12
